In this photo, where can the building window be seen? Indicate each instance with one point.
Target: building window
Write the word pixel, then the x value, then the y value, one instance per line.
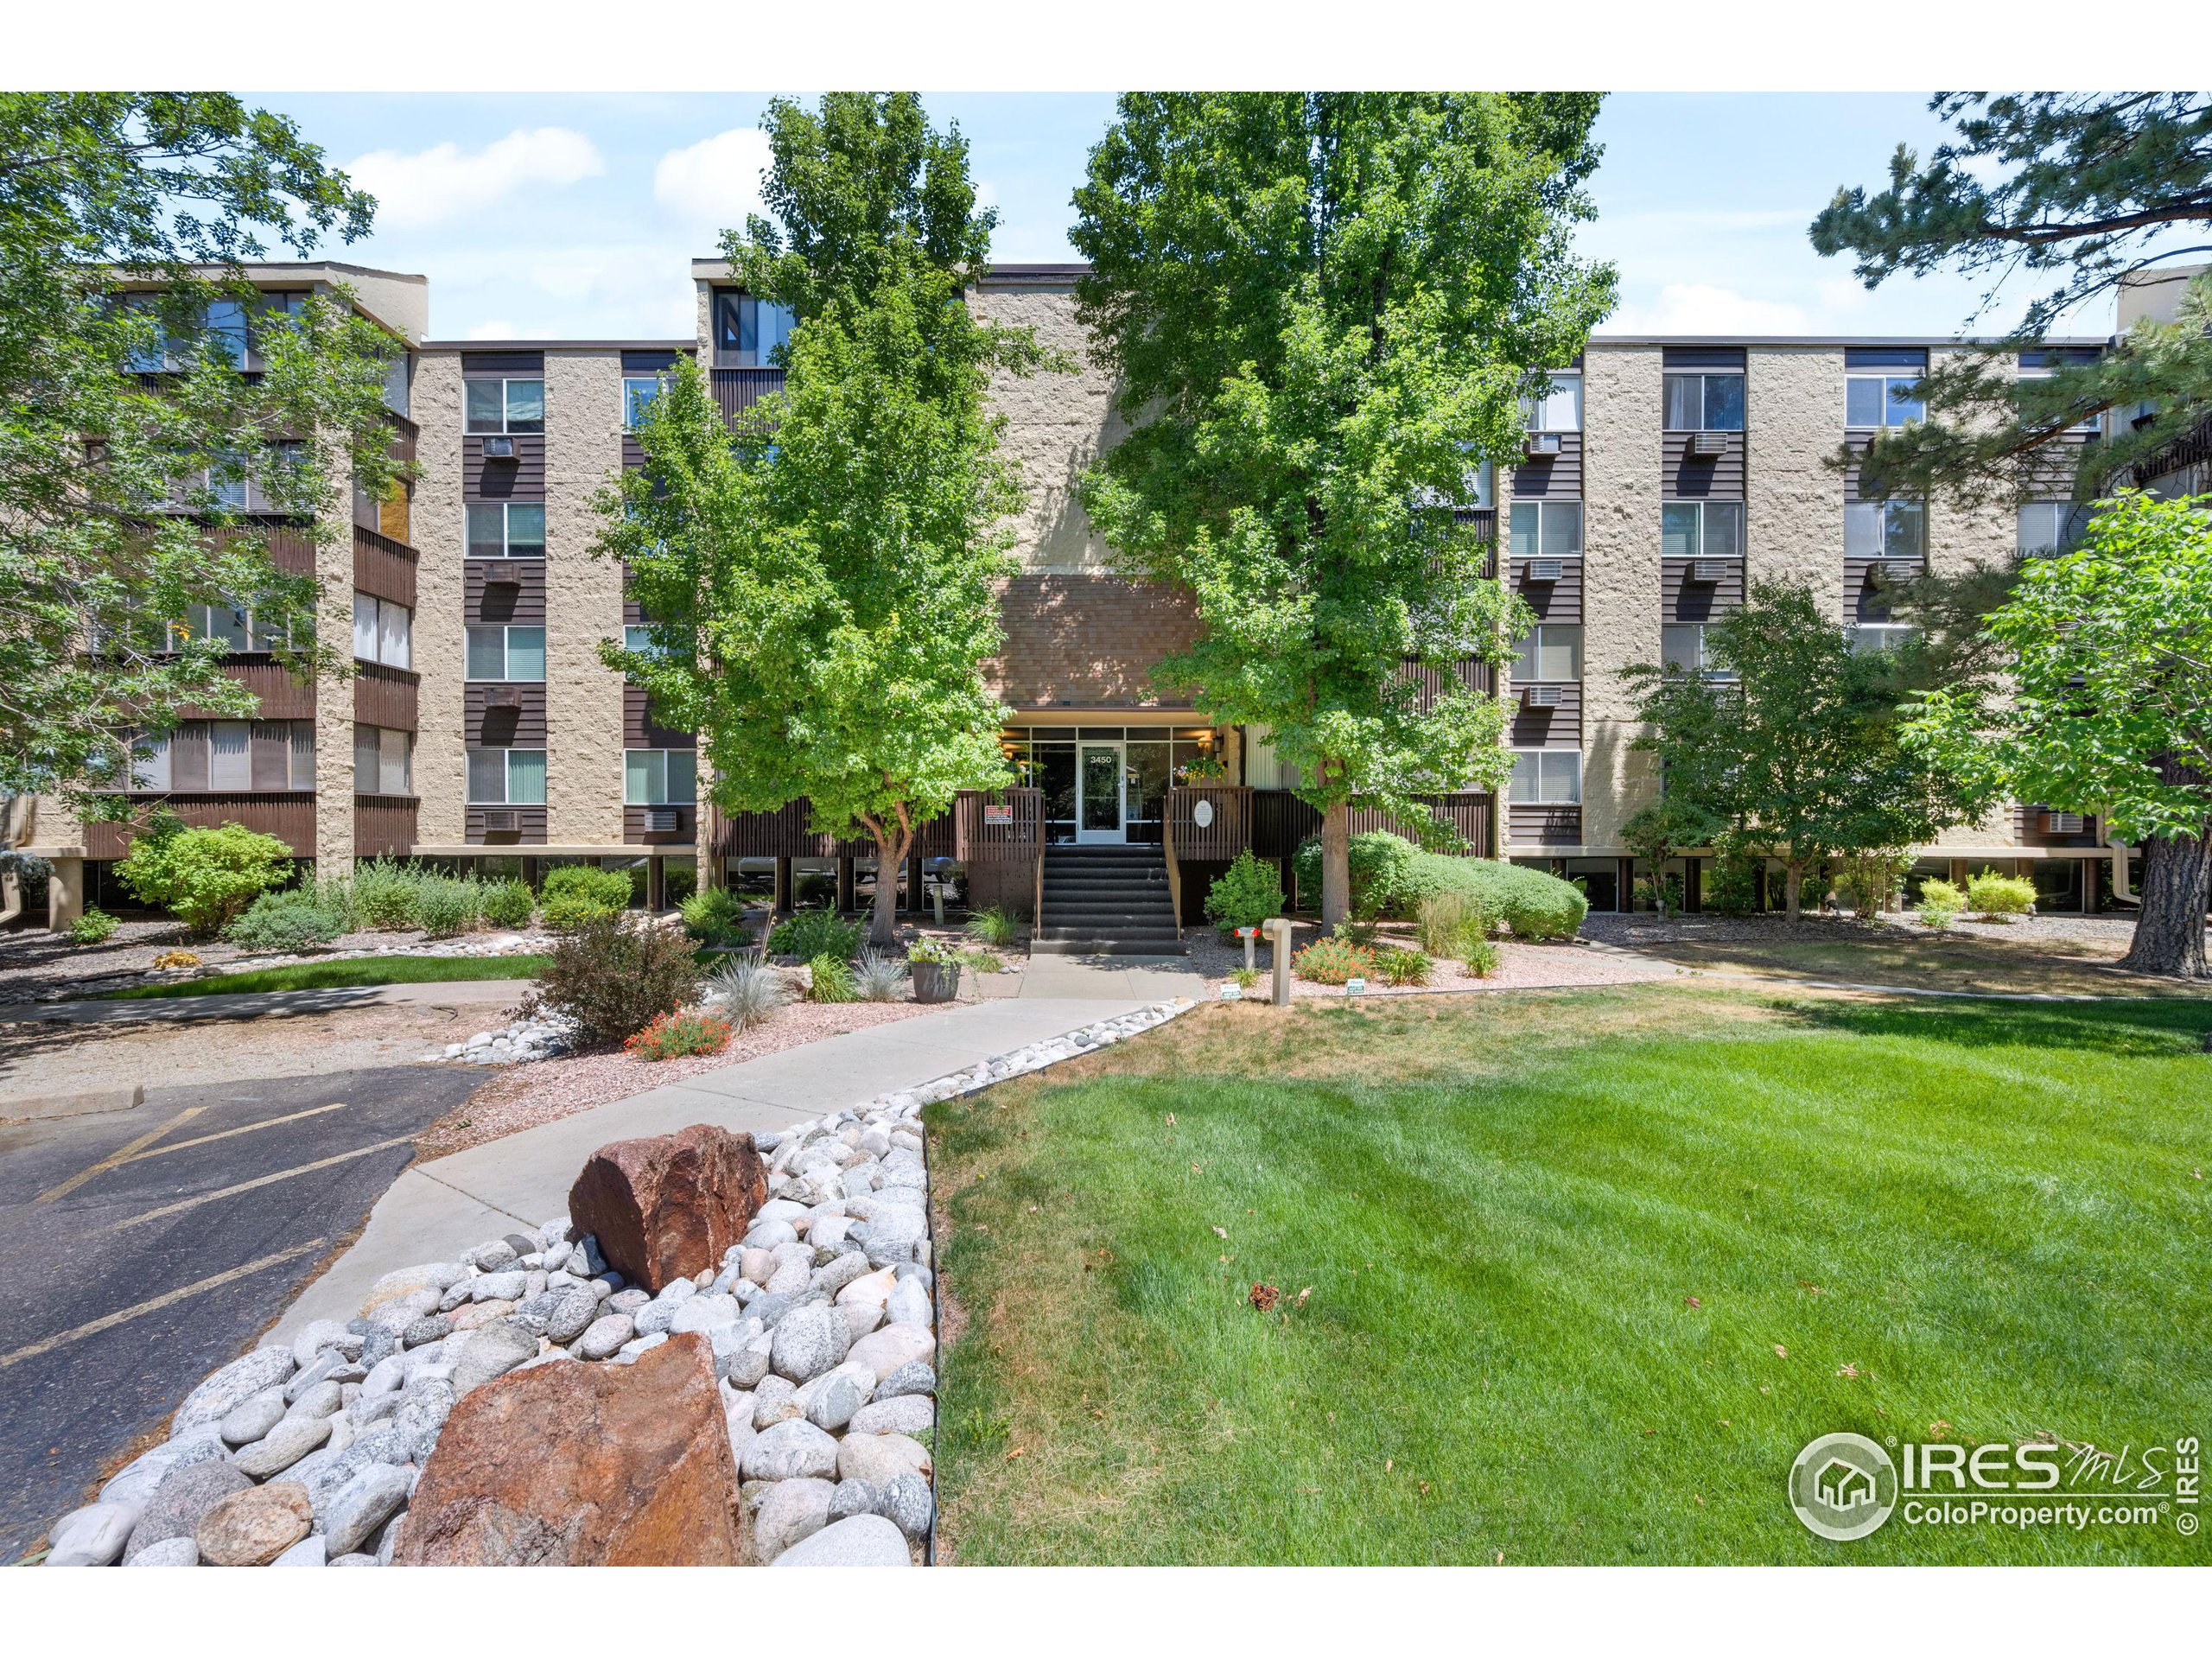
pixel 1884 530
pixel 1869 639
pixel 1705 402
pixel 511 529
pixel 506 653
pixel 1550 650
pixel 1549 530
pixel 749 332
pixel 262 755
pixel 1701 529
pixel 2040 365
pixel 382 632
pixel 2051 526
pixel 507 405
pixel 235 626
pixel 1547 777
pixel 659 778
pixel 384 761
pixel 1559 409
pixel 1682 646
pixel 1871 401
pixel 638 391
pixel 506 777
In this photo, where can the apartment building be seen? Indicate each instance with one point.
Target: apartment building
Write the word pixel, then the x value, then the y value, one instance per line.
pixel 1660 477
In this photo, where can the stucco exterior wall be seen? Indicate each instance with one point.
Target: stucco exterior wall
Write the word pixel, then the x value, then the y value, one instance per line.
pixel 440 537
pixel 333 693
pixel 1793 500
pixel 583 602
pixel 1620 525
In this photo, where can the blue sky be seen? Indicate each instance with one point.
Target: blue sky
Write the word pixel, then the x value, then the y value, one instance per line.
pixel 567 215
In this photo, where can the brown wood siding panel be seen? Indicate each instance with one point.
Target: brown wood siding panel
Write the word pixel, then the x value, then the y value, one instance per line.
pixel 503 365
pixel 1864 599
pixel 1682 600
pixel 287 815
pixel 1281 820
pixel 385 696
pixel 530 834
pixel 1548 826
pixel 1692 358
pixel 291 552
pixel 634 831
pixel 283 697
pixel 633 453
pixel 384 566
pixel 1549 728
pixel 1684 478
pixel 640 731
pixel 738 390
pixel 518 725
pixel 780 833
pixel 1473 676
pixel 1552 601
pixel 522 478
pixel 1554 478
pixel 383 826
pixel 521 600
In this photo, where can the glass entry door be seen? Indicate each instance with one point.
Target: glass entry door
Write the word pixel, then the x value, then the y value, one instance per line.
pixel 1099 807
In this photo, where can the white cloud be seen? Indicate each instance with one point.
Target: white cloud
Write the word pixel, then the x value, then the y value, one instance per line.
pixel 443 182
pixel 714 184
pixel 496 328
pixel 1701 309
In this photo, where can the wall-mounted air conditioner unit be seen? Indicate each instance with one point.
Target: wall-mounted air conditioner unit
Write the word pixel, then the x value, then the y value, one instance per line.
pixel 504 697
pixel 2061 823
pixel 503 575
pixel 501 817
pixel 662 820
pixel 1542 443
pixel 1542 696
pixel 1545 570
pixel 1708 446
pixel 1707 572
pixel 499 449
pixel 1898 569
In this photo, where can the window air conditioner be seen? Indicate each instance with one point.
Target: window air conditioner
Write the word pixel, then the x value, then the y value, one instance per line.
pixel 1899 569
pixel 503 575
pixel 504 697
pixel 1707 572
pixel 500 818
pixel 2061 823
pixel 1708 446
pixel 1543 443
pixel 502 448
pixel 662 820
pixel 1544 570
pixel 1543 696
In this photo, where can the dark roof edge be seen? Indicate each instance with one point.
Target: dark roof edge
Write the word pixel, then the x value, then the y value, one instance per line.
pixel 558 346
pixel 1840 339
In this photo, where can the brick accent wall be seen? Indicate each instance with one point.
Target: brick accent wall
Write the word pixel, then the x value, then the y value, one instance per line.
pixel 1084 641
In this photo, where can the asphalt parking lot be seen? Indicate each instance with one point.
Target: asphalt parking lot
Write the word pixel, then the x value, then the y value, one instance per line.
pixel 140 1249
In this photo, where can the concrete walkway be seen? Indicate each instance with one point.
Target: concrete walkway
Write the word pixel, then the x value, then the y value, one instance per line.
pixel 437 1210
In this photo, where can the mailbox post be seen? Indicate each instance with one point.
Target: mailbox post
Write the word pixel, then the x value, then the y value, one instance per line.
pixel 1278 929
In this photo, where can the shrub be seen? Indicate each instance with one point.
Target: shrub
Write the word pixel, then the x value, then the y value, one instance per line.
pixel 612 976
pixel 994 926
pixel 879 979
pixel 677 883
pixel 715 915
pixel 1939 903
pixel 1380 865
pixel 831 978
pixel 1402 967
pixel 1447 919
pixel 1868 881
pixel 94 927
pixel 445 904
pixel 207 877
pixel 508 903
pixel 814 934
pixel 1245 979
pixel 1995 898
pixel 1245 894
pixel 1479 957
pixel 679 1035
pixel 286 921
pixel 177 959
pixel 749 992
pixel 1732 884
pixel 385 893
pixel 565 911
pixel 606 889
pixel 1533 903
pixel 1331 962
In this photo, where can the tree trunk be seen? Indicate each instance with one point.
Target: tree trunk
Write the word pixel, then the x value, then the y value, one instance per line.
pixel 1793 887
pixel 1336 864
pixel 891 845
pixel 2175 883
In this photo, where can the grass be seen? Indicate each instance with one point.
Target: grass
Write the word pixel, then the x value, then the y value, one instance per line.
pixel 345 971
pixel 1587 1270
pixel 1926 961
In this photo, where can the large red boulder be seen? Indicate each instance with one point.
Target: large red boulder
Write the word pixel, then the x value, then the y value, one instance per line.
pixel 576 1465
pixel 666 1207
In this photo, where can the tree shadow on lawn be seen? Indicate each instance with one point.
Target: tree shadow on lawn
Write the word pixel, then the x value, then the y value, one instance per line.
pixel 2144 1027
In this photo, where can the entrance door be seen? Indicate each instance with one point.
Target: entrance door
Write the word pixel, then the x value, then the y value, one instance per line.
pixel 1099 812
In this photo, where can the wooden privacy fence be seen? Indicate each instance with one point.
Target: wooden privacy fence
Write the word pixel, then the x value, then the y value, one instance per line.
pixel 1214 835
pixel 999 837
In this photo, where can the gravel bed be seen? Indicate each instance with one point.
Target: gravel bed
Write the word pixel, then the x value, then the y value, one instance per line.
pixel 40 967
pixel 1520 967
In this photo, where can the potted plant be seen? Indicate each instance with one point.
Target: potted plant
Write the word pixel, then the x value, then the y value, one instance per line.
pixel 937 971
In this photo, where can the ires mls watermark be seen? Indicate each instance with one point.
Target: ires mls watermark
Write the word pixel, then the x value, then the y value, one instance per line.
pixel 1845 1486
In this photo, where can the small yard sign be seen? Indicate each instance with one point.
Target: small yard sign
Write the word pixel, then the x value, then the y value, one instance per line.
pixel 1355 988
pixel 998 813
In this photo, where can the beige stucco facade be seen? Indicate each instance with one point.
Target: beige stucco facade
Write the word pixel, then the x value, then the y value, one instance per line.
pixel 440 659
pixel 1793 496
pixel 583 602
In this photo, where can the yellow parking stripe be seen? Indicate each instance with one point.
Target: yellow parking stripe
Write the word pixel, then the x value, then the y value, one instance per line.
pixel 122 1155
pixel 260 1180
pixel 108 1322
pixel 225 1135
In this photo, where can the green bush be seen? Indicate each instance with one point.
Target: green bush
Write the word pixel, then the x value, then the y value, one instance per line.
pixel 1939 903
pixel 680 1035
pixel 715 916
pixel 1362 934
pixel 1661 892
pixel 1380 864
pixel 1533 903
pixel 206 877
pixel 386 893
pixel 1869 881
pixel 814 934
pixel 832 977
pixel 677 883
pixel 1731 885
pixel 287 921
pixel 1402 967
pixel 612 975
pixel 608 889
pixel 1245 979
pixel 446 905
pixel 1245 894
pixel 92 927
pixel 1333 961
pixel 1995 898
pixel 1443 922
pixel 508 903
pixel 1478 955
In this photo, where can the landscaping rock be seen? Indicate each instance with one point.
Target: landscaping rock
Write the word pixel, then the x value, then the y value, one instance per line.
pixel 91 1536
pixel 253 1418
pixel 284 1445
pixel 170 1551
pixel 184 1495
pixel 860 1540
pixel 253 1528
pixel 604 1336
pixel 913 1377
pixel 908 1504
pixel 808 1341
pixel 791 1510
pixel 880 1459
pixel 664 1207
pixel 570 1314
pixel 492 1351
pixel 229 1388
pixel 584 1466
pixel 894 1345
pixel 134 1483
pixel 364 1503
pixel 906 1413
pixel 308 1552
pixel 791 1450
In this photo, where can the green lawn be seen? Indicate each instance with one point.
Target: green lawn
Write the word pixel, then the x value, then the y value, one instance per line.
pixel 347 972
pixel 1588 1269
pixel 1945 962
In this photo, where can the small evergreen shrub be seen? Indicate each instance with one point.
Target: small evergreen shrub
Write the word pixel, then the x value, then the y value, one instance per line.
pixel 1333 961
pixel 814 934
pixel 93 927
pixel 206 877
pixel 715 916
pixel 1994 898
pixel 1381 866
pixel 1245 894
pixel 1535 904
pixel 832 979
pixel 612 975
pixel 994 926
pixel 508 903
pixel 1403 967
pixel 608 889
pixel 677 883
pixel 747 992
pixel 679 1035
pixel 286 921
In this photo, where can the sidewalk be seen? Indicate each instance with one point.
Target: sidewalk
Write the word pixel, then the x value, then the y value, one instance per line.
pixel 434 1211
